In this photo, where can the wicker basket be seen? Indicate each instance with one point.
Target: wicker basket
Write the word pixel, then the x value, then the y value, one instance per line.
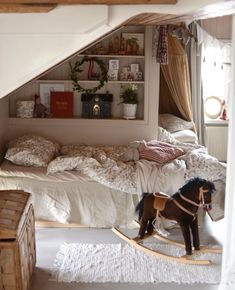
pixel 17 240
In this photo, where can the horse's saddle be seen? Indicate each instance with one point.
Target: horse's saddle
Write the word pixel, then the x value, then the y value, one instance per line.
pixel 160 200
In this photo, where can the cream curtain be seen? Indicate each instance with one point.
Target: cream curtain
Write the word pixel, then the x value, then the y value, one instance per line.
pixel 176 75
pixel 194 56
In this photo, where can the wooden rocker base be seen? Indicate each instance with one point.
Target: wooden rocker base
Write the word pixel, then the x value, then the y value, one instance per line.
pixel 203 249
pixel 183 259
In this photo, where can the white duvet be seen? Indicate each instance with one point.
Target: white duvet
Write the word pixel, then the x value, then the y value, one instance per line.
pixel 98 164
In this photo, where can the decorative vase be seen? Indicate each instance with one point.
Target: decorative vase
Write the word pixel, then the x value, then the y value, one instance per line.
pixel 129 111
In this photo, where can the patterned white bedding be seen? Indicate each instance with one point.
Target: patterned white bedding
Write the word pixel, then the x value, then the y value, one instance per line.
pixel 76 186
pixel 142 175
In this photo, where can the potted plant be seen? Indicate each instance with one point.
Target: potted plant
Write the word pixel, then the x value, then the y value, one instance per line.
pixel 129 100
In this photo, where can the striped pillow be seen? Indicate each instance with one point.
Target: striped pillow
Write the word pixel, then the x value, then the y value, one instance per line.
pixel 161 152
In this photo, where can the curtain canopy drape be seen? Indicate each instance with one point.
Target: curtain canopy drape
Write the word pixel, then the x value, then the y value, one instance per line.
pixel 195 60
pixel 176 76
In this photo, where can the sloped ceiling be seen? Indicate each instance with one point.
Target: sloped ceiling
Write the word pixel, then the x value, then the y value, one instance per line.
pixel 32 43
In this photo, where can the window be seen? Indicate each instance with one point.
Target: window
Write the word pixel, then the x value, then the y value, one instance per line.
pixel 216 78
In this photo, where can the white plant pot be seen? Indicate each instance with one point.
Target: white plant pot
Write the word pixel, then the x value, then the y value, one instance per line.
pixel 129 111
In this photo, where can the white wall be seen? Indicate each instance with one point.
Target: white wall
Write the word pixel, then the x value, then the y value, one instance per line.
pixel 3 124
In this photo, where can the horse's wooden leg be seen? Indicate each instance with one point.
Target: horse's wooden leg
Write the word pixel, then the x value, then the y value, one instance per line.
pixel 187 239
pixel 143 226
pixel 195 233
pixel 150 226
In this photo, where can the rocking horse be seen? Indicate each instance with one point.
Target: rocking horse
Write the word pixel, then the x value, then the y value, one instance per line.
pixel 181 207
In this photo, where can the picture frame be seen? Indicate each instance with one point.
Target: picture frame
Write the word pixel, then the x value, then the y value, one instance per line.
pixel 45 92
pixel 134 43
pixel 114 64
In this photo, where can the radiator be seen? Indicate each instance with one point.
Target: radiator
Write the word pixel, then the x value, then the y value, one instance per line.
pixel 217 140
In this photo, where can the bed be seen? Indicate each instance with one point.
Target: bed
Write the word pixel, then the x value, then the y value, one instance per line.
pixel 69 197
pixel 99 186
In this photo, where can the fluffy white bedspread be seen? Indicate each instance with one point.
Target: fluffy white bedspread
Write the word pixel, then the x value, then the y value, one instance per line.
pixel 100 163
pixel 105 165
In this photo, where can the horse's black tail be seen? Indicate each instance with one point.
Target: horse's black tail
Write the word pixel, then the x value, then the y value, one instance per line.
pixel 140 206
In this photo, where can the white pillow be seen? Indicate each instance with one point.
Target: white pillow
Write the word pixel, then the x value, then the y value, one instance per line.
pixel 172 123
pixel 186 136
pixel 165 136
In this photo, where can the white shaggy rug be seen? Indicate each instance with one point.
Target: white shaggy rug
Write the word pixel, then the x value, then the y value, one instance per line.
pixel 123 263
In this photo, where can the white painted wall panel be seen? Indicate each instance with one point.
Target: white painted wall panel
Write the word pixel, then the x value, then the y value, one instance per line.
pixel 217 139
pixel 84 131
pixel 220 27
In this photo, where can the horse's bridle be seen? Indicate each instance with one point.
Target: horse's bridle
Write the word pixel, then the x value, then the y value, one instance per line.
pixel 201 198
pixel 200 204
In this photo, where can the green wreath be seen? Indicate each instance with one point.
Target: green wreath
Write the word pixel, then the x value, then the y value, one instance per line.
pixel 74 70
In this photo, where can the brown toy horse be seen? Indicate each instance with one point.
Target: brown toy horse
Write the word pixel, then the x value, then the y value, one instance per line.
pixel 181 207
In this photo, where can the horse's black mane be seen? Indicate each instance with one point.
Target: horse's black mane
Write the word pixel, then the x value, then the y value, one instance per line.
pixel 197 182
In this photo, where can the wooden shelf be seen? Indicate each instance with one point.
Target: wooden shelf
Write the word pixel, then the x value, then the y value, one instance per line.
pixel 60 75
pixel 90 81
pixel 111 55
pixel 216 123
pixel 70 121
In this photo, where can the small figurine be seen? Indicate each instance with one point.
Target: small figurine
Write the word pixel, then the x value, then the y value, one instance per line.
pixel 40 111
pixel 122 50
pixel 224 115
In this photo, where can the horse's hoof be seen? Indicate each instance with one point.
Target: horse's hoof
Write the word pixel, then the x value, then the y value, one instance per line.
pixel 149 233
pixel 137 239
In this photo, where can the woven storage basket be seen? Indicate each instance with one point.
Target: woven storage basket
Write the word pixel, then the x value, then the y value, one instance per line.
pixel 17 240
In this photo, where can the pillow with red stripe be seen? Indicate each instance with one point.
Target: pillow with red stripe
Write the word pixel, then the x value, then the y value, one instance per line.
pixel 161 152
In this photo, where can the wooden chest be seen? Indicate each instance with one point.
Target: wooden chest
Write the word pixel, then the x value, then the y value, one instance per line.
pixel 17 240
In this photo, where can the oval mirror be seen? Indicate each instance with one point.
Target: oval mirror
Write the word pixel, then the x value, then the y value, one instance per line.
pixel 213 107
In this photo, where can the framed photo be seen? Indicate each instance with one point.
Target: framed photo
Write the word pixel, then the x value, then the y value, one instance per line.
pixel 134 43
pixel 113 75
pixel 134 67
pixel 113 64
pixel 45 93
